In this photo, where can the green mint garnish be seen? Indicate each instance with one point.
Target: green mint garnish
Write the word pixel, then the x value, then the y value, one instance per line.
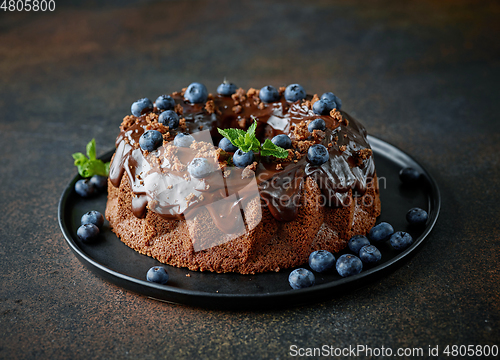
pixel 246 141
pixel 90 166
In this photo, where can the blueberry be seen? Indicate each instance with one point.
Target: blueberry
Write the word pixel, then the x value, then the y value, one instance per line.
pixel 169 118
pixel 99 182
pixel 93 217
pixel 87 232
pixel 323 107
pixel 301 278
pixel 196 93
pixel 269 94
pixel 183 140
pixel 200 168
pixel 282 140
pixel 226 89
pixel 400 240
pixel 165 102
pixel 331 97
pixel 85 188
pixel 348 265
pixel 141 106
pixel 317 154
pixel 409 175
pixel 381 232
pixel 226 145
pixel 243 159
pixel 357 242
pixel 417 216
pixel 151 140
pixel 369 254
pixel 321 260
pixel 157 274
pixel 317 124
pixel 294 93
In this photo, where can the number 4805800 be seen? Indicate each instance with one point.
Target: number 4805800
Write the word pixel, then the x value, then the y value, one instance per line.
pixel 28 5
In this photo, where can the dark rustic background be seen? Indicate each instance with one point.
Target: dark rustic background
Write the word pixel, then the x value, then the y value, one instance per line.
pixel 422 75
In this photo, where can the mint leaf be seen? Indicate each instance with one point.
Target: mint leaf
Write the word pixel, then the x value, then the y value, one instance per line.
pixel 269 149
pixel 90 166
pixel 232 134
pixel 91 149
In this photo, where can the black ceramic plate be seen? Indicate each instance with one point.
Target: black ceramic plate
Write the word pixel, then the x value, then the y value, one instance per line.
pixel 117 263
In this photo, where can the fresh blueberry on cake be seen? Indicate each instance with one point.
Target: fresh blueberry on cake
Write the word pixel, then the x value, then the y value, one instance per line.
pixel 243 159
pixel 269 94
pixel 183 140
pixel 165 102
pixel 150 140
pixel 196 93
pixel 316 124
pixel 294 92
pixel 323 107
pixel 332 99
pixel 282 140
pixel 169 118
pixel 141 106
pixel 226 89
pixel 318 154
pixel 226 145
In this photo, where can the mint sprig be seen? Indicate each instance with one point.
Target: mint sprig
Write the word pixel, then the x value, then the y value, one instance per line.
pixel 90 166
pixel 246 141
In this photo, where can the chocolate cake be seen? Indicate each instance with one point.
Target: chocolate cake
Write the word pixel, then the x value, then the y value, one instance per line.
pixel 266 216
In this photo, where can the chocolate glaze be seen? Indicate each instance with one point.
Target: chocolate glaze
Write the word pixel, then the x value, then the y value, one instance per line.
pixel 161 183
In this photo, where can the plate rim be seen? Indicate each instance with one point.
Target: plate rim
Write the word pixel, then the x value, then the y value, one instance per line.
pixel 181 296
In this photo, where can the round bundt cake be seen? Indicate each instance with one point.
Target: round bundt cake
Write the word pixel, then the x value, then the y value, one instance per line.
pixel 290 173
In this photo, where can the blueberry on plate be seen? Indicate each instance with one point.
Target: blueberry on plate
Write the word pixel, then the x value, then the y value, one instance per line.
pixel 369 254
pixel 321 260
pixel 100 182
pixel 417 216
pixel 317 154
pixel 282 140
pixel 183 140
pixel 141 106
pixel 317 124
pixel 331 97
pixel 301 278
pixel 196 93
pixel 357 242
pixel 157 274
pixel 93 217
pixel 169 118
pixel 87 232
pixel 294 93
pixel 409 175
pixel 400 240
pixel 381 232
pixel 151 140
pixel 227 145
pixel 243 159
pixel 269 94
pixel 200 168
pixel 165 102
pixel 348 265
pixel 323 107
pixel 226 89
pixel 85 188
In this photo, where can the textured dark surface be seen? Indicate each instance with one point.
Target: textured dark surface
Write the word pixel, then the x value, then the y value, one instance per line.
pixel 421 75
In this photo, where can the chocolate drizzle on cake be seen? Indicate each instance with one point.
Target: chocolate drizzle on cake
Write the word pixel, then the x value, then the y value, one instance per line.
pixel 161 183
